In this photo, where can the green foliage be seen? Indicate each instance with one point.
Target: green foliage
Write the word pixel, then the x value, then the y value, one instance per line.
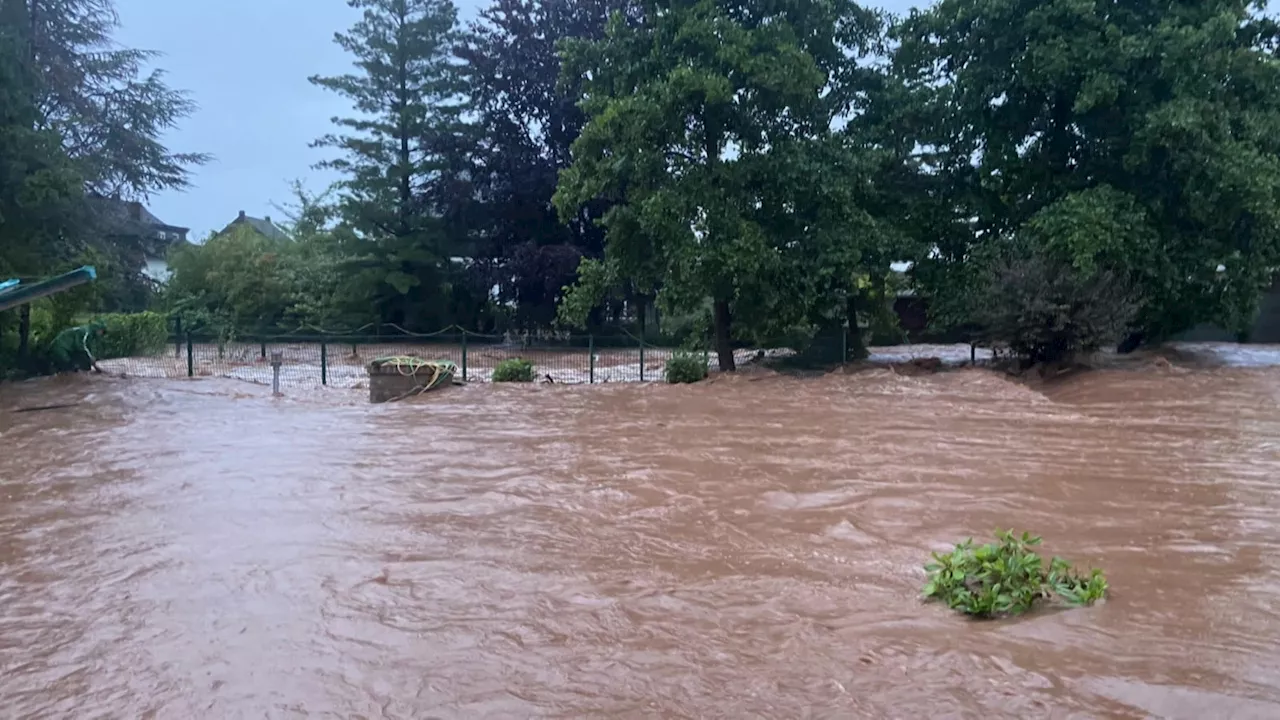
pixel 690 330
pixel 1140 139
pixel 513 370
pixel 41 193
pixel 701 118
pixel 109 110
pixel 1061 172
pixel 596 279
pixel 133 334
pixel 241 281
pixel 524 123
pixel 1006 578
pixel 686 367
pixel 404 94
pixel 234 279
pixel 1045 310
pixel 79 117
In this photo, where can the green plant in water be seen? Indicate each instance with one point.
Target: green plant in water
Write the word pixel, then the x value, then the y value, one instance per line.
pixel 686 367
pixel 513 370
pixel 1006 578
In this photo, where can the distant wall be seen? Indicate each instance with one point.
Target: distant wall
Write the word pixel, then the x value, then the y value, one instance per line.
pixel 156 269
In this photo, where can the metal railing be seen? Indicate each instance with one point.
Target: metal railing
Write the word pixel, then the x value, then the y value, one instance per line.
pixel 340 360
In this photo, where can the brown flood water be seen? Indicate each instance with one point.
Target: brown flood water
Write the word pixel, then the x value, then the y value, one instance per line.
pixel 746 548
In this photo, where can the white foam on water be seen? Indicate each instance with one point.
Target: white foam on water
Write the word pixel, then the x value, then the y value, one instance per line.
pixel 1231 354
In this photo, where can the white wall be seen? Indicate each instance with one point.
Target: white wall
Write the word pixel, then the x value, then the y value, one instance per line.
pixel 156 269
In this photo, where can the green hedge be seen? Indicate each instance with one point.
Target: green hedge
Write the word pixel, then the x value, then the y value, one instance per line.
pixel 133 334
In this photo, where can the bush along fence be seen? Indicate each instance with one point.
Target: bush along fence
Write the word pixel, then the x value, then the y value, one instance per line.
pixel 340 359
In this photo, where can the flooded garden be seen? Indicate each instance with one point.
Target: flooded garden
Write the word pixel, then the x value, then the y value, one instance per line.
pixel 748 547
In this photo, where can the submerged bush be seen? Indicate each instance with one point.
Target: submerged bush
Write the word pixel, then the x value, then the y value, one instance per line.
pixel 686 367
pixel 1006 578
pixel 513 370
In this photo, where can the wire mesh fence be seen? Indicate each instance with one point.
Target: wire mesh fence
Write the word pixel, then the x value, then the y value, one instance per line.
pixel 341 361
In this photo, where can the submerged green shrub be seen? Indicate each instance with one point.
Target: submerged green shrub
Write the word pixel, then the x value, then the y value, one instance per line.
pixel 686 367
pixel 1006 578
pixel 513 370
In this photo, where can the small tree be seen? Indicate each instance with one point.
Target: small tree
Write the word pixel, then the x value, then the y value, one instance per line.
pixel 1044 310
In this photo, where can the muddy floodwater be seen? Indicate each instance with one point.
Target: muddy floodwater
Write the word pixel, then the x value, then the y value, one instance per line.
pixel 748 548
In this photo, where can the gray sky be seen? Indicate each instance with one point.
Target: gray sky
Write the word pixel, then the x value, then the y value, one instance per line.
pixel 245 63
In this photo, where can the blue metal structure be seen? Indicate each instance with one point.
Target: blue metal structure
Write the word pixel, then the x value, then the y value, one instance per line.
pixel 14 293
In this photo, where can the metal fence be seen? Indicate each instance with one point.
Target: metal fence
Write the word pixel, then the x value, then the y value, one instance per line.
pixel 341 360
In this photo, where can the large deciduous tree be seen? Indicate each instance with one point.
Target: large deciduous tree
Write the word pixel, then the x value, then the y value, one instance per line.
pixel 405 94
pixel 1137 140
pixel 701 117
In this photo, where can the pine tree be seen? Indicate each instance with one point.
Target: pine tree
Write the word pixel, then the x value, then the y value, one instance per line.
pixel 404 91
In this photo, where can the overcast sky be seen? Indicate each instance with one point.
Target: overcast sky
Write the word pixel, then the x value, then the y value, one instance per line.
pixel 245 63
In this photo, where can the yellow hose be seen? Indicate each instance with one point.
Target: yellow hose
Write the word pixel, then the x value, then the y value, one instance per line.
pixel 409 366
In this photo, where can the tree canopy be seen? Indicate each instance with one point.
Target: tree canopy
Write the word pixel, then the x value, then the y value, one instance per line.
pixel 1058 176
pixel 1137 139
pixel 702 116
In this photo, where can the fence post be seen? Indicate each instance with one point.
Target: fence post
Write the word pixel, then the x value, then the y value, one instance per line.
pixel 591 361
pixel 277 359
pixel 464 356
pixel 191 366
pixel 844 346
pixel 264 349
pixel 324 363
pixel 642 360
pixel 177 336
pixel 24 333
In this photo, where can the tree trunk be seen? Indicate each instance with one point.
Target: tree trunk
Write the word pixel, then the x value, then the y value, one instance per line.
pixel 724 338
pixel 24 334
pixel 722 317
pixel 1130 343
pixel 406 99
pixel 856 349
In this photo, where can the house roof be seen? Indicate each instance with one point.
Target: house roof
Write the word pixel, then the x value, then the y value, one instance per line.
pixel 129 217
pixel 262 226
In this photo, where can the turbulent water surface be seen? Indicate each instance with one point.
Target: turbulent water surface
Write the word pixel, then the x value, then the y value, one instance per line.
pixel 745 548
